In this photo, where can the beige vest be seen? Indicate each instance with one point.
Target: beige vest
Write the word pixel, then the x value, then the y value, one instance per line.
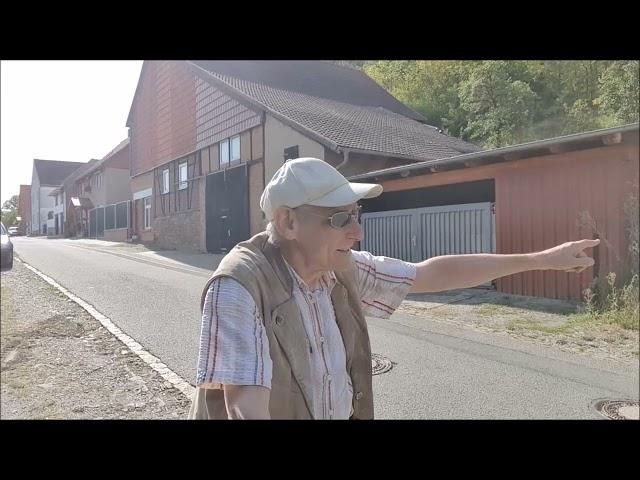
pixel 258 266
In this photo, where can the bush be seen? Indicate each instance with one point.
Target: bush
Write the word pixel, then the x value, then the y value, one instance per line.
pixel 619 303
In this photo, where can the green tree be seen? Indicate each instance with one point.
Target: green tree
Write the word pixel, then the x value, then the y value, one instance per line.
pixel 429 87
pixel 9 218
pixel 499 103
pixel 619 92
pixel 11 204
pixel 10 211
pixel 505 102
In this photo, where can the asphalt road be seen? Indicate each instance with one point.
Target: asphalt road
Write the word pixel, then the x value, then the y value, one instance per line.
pixel 439 371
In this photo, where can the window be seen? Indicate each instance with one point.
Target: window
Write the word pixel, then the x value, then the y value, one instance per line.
pixel 147 213
pixel 224 152
pixel 56 200
pixel 99 180
pixel 183 176
pixel 230 150
pixel 165 180
pixel 235 148
pixel 291 153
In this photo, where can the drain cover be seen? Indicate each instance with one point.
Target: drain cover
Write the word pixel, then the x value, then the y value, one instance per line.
pixel 618 409
pixel 380 364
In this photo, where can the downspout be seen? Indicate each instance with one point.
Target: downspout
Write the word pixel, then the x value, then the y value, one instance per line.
pixel 343 162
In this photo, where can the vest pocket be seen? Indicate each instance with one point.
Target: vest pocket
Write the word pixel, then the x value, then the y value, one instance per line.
pixel 287 401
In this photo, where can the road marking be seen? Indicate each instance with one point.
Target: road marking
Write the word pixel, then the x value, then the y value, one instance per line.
pixel 200 273
pixel 154 362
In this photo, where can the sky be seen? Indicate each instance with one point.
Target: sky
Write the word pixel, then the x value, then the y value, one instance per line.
pixel 60 110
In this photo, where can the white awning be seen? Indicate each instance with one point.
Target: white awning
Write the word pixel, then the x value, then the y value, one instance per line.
pixel 142 194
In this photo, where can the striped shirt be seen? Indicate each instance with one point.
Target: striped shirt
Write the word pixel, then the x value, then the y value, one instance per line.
pixel 234 348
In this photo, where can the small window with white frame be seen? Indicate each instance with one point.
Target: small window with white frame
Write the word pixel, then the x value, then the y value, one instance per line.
pixel 229 150
pixel 183 176
pixel 235 148
pixel 224 152
pixel 147 213
pixel 165 180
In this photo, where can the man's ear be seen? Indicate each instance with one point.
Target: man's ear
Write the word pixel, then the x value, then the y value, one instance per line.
pixel 284 222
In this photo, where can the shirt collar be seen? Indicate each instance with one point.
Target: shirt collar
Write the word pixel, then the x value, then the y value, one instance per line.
pixel 327 280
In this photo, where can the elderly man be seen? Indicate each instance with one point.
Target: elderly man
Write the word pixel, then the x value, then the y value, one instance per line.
pixel 283 332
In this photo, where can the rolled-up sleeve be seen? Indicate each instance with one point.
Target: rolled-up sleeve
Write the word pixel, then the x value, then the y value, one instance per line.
pixel 384 282
pixel 234 348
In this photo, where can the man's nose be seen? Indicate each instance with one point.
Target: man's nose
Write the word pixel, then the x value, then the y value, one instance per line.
pixel 355 231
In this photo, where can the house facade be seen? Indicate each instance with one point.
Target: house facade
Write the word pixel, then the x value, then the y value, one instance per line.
pixel 47 175
pixel 207 136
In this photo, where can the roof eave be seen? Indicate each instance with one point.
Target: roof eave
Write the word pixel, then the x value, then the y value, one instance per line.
pixel 480 158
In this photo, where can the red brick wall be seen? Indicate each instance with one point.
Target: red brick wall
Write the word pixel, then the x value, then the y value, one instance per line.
pixel 162 119
pixel 24 206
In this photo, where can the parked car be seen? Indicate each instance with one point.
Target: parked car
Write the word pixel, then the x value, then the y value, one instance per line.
pixel 6 250
pixel 13 231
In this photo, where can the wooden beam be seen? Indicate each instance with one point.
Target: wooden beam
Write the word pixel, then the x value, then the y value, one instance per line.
pixel 612 139
pixel 512 156
pixel 474 162
pixel 562 148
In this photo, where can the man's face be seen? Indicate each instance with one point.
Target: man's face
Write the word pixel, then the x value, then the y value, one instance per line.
pixel 324 247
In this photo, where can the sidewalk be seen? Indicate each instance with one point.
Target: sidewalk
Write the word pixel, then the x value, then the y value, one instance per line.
pixel 58 362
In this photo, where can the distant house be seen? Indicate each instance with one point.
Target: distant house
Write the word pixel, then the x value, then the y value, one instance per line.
pixel 100 200
pixel 76 216
pixel 24 210
pixel 515 199
pixel 206 136
pixel 46 176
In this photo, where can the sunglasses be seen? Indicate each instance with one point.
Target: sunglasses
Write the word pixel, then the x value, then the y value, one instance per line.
pixel 341 219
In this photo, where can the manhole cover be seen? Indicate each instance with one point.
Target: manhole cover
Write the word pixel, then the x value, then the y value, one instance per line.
pixel 380 364
pixel 618 409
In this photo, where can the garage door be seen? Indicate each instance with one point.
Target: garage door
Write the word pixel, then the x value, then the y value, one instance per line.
pixel 417 234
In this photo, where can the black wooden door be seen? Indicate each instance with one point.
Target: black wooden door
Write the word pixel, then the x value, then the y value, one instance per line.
pixel 227 209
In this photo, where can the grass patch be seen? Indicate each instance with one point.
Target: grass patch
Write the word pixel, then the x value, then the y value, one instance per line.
pixel 607 303
pixel 490 309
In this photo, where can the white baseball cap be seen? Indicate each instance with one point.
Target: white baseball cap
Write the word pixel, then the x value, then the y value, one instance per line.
pixel 310 181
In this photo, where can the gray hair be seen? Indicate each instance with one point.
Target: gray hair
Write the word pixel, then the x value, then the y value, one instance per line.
pixel 273 236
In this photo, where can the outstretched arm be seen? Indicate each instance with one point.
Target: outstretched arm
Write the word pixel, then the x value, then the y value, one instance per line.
pixel 450 272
